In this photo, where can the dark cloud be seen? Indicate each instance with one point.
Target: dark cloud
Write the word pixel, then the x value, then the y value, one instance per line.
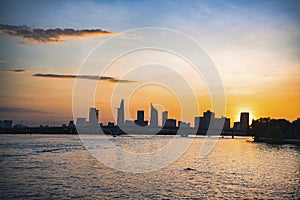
pixel 14 70
pixel 47 35
pixel 19 70
pixel 89 77
pixel 21 110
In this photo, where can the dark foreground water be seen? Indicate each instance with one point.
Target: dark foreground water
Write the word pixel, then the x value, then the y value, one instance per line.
pixel 59 167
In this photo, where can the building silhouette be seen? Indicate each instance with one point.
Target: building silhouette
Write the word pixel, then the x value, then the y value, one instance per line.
pixel 81 121
pixel 184 124
pixel 110 124
pixel 71 124
pixel 223 123
pixel 202 123
pixel 140 119
pixel 164 118
pixel 236 126
pixel 6 124
pixel 93 117
pixel 244 122
pixel 153 116
pixel 166 122
pixel 120 117
pixel 226 126
pixel 197 122
pixel 206 121
pixel 170 124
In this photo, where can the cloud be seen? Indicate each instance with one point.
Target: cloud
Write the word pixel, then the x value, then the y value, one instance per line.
pixel 89 77
pixel 14 70
pixel 21 110
pixel 3 61
pixel 47 35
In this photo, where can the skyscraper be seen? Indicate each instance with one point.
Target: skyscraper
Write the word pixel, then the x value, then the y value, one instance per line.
pixel 226 126
pixel 140 119
pixel 197 122
pixel 153 116
pixel 93 116
pixel 140 115
pixel 244 120
pixel 164 118
pixel 120 117
pixel 208 119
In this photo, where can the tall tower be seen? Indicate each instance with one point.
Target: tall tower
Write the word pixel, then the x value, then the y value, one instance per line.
pixel 153 116
pixel 93 116
pixel 244 120
pixel 164 118
pixel 209 119
pixel 140 115
pixel 140 119
pixel 120 117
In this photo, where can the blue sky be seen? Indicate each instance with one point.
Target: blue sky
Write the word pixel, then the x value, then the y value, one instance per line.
pixel 121 15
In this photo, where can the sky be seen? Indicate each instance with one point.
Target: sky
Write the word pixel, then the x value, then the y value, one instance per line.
pixel 253 44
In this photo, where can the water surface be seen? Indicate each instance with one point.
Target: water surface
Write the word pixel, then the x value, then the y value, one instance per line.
pixel 59 166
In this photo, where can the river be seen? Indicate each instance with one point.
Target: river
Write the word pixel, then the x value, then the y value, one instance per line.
pixel 60 167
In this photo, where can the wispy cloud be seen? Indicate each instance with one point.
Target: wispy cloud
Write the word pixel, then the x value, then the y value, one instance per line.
pixel 3 61
pixel 47 35
pixel 14 70
pixel 21 110
pixel 89 77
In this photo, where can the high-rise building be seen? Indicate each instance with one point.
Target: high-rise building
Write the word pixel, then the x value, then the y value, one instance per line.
pixel 140 115
pixel 120 117
pixel 244 120
pixel 207 120
pixel 153 116
pixel 93 117
pixel 140 119
pixel 164 118
pixel 226 126
pixel 197 122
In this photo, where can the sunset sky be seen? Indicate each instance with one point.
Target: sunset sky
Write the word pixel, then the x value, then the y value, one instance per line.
pixel 254 45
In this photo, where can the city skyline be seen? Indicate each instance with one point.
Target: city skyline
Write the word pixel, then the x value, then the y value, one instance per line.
pixel 202 122
pixel 93 118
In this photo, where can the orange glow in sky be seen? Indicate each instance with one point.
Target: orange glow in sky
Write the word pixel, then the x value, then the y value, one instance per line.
pixel 254 47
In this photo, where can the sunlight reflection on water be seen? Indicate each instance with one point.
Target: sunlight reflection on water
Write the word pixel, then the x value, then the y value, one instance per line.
pixel 58 166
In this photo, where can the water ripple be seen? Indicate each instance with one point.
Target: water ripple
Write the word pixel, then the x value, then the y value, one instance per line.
pixel 59 167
